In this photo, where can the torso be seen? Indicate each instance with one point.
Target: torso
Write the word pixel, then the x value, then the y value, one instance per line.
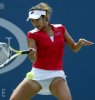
pixel 49 53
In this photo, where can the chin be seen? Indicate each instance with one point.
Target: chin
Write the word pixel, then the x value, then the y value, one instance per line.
pixel 39 28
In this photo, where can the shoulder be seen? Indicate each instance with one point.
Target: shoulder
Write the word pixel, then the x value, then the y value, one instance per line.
pixel 58 26
pixel 35 30
pixel 33 33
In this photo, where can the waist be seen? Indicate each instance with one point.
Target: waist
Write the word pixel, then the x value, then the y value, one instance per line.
pixel 49 63
pixel 41 74
pixel 48 67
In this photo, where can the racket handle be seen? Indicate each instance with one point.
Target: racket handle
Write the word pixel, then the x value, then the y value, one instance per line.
pixel 27 51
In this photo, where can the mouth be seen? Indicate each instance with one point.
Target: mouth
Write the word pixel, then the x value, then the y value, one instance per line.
pixel 37 26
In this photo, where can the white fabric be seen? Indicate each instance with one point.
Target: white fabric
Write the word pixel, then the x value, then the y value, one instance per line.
pixel 35 14
pixel 52 38
pixel 45 86
pixel 44 78
pixel 40 74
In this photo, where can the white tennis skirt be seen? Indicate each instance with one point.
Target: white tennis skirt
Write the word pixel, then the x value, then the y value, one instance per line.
pixel 45 77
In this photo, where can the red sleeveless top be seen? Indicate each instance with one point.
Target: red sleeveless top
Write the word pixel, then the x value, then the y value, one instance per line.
pixel 49 53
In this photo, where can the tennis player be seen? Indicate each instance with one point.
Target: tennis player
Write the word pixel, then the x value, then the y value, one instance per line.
pixel 47 76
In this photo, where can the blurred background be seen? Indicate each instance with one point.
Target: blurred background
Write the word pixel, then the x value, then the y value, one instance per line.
pixel 78 16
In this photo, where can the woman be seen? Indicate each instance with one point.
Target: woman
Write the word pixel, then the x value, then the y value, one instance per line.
pixel 47 70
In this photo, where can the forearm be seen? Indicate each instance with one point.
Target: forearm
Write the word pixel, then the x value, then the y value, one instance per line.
pixel 32 56
pixel 77 46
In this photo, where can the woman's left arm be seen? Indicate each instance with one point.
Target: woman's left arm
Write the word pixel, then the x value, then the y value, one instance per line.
pixel 76 46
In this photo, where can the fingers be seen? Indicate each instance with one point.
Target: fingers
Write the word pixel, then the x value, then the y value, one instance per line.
pixel 85 42
pixel 32 49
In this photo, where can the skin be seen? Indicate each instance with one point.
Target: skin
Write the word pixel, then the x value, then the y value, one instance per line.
pixel 28 88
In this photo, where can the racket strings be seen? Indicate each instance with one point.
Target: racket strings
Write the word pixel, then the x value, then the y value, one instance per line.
pixel 3 58
pixel 7 54
pixel 14 50
pixel 4 53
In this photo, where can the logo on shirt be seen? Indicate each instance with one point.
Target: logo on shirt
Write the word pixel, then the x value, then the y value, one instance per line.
pixel 58 33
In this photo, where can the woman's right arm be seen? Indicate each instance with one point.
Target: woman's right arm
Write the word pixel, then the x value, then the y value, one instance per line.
pixel 32 54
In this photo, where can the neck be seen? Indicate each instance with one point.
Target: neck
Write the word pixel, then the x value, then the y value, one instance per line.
pixel 47 28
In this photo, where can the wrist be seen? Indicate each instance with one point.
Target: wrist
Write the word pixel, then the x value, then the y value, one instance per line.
pixel 81 42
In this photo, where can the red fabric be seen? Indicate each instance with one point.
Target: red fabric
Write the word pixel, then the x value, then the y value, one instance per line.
pixel 49 54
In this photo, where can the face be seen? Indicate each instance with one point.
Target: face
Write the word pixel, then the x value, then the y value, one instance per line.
pixel 39 23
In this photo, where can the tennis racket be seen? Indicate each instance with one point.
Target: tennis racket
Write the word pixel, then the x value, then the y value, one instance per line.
pixel 7 53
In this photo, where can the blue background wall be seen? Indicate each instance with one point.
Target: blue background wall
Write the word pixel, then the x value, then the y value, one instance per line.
pixel 79 18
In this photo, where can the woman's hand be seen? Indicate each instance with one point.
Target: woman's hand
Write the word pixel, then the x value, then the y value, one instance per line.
pixel 85 42
pixel 81 43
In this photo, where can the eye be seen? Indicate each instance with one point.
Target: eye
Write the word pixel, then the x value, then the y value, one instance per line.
pixel 34 20
pixel 37 19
